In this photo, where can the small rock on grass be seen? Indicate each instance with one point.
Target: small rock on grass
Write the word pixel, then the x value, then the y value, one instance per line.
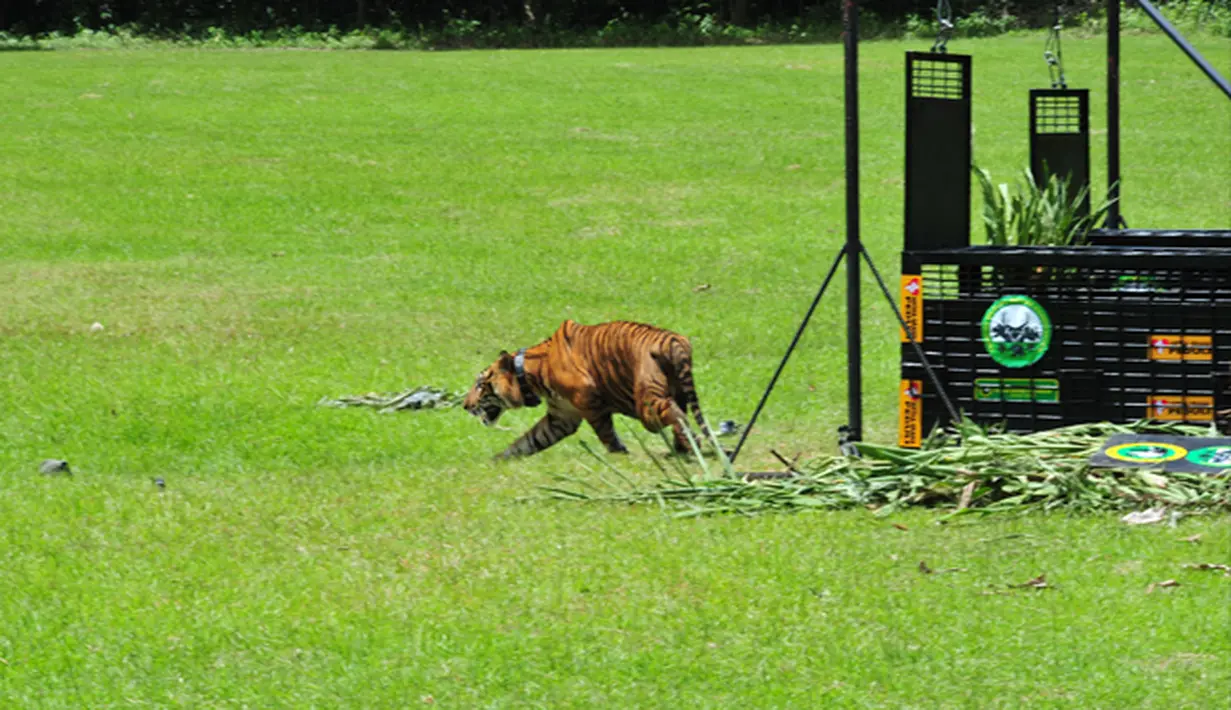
pixel 54 467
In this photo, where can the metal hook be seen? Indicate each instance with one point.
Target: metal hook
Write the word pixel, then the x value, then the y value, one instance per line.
pixel 1054 57
pixel 944 17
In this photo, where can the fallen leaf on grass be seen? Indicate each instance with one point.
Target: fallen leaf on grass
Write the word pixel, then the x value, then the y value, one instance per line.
pixel 1010 536
pixel 1183 659
pixel 1195 539
pixel 900 526
pixel 1145 517
pixel 701 287
pixel 1226 569
pixel 923 567
pixel 1039 582
pixel 1161 585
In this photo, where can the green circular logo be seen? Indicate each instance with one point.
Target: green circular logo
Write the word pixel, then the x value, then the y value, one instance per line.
pixel 1016 331
pixel 1212 456
pixel 1147 452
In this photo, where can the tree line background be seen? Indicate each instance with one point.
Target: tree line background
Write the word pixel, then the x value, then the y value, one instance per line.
pixel 34 17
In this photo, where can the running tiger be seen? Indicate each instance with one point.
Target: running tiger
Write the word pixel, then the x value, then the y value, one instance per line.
pixel 591 372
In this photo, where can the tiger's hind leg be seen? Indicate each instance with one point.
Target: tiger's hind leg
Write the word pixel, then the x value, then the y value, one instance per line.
pixel 547 431
pixel 657 412
pixel 605 428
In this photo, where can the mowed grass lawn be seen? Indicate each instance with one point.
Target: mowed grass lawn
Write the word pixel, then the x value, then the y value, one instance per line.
pixel 258 230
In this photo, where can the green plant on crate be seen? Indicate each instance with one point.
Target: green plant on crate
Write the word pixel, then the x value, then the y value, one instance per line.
pixel 1037 215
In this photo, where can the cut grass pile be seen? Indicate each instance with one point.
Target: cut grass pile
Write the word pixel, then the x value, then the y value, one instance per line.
pixel 971 471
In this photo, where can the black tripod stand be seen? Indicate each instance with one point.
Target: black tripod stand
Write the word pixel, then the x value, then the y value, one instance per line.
pixel 853 251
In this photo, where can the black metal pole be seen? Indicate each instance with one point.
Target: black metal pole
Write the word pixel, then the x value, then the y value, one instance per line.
pixel 1185 47
pixel 1113 114
pixel 833 269
pixel 854 372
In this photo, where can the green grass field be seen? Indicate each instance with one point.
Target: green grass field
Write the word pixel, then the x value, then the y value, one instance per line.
pixel 256 230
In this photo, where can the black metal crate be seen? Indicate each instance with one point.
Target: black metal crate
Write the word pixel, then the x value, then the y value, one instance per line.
pixel 1124 333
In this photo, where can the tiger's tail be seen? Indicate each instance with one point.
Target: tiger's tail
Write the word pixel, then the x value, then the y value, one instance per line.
pixel 678 366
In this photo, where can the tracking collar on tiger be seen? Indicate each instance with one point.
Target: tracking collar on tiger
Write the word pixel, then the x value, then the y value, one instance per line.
pixel 519 368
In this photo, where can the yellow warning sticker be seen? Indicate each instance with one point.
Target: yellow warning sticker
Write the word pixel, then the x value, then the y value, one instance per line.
pixel 912 306
pixel 1178 408
pixel 1181 348
pixel 910 414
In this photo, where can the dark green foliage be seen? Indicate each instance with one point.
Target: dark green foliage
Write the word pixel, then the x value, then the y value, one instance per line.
pixel 464 17
pixel 467 24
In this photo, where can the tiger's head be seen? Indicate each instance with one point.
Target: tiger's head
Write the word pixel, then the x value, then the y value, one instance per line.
pixel 494 391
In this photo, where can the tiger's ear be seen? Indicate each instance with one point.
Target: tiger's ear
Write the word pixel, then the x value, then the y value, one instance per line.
pixel 506 385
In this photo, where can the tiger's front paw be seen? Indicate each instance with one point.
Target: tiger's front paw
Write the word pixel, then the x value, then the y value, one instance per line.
pixel 513 452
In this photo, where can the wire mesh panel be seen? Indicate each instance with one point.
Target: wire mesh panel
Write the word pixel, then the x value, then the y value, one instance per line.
pixel 938 151
pixel 1037 338
pixel 1059 111
pixel 937 76
pixel 1060 136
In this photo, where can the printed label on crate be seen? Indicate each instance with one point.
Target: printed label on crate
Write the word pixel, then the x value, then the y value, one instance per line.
pixel 1188 454
pixel 1023 389
pixel 1182 348
pixel 910 414
pixel 1178 408
pixel 1016 331
pixel 912 306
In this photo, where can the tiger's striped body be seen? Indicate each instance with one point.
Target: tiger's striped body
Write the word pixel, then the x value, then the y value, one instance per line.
pixel 590 373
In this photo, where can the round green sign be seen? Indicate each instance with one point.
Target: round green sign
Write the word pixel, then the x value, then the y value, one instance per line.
pixel 1016 331
pixel 1212 456
pixel 1147 452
